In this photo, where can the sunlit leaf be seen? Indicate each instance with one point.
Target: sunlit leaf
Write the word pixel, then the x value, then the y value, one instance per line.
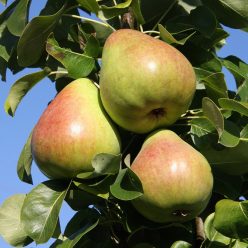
pixel 233 105
pixel 41 209
pixel 127 185
pixel 11 227
pixel 21 87
pixel 181 244
pixel 32 41
pixel 25 162
pixel 234 224
pixel 214 237
pixel 69 59
pixel 20 14
pixel 168 37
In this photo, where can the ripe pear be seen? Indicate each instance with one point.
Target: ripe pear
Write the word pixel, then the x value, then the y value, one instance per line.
pixel 145 83
pixel 177 179
pixel 72 130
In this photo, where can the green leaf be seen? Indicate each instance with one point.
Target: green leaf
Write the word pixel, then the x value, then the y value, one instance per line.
pixel 212 112
pixel 214 237
pixel 215 86
pixel 41 209
pixel 242 92
pixel 168 37
pixel 69 59
pixel 21 87
pixel 7 42
pixel 103 164
pixel 108 12
pixel 200 128
pixel 234 224
pixel 233 105
pixel 230 160
pixel 237 67
pixel 20 13
pixel 90 5
pixel 72 241
pixel 92 47
pixel 99 188
pixel 181 244
pixel 228 185
pixel 231 13
pixel 11 227
pixel 25 162
pixel 127 186
pixel 244 133
pixel 82 218
pixel 4 2
pixel 135 6
pixel 32 41
pixel 204 20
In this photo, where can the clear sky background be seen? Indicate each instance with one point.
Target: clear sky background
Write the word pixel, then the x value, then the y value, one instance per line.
pixel 14 131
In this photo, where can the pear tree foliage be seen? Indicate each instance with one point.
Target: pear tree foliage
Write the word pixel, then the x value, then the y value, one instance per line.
pixel 63 43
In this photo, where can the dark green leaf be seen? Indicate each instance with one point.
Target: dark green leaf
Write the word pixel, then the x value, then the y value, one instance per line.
pixel 21 87
pixel 79 199
pixel 215 86
pixel 25 162
pixel 41 209
pixel 233 160
pixel 81 219
pixel 20 13
pixel 214 237
pixel 233 105
pixel 69 59
pixel 231 13
pixel 127 186
pixel 11 227
pixel 92 47
pixel 231 218
pixel 135 6
pixel 168 37
pixel 7 42
pixel 156 8
pixel 181 244
pixel 90 5
pixel 32 41
pixel 237 67
pixel 72 241
pixel 228 185
pixel 204 20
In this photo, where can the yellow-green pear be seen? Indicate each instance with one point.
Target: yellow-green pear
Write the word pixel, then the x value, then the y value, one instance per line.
pixel 145 83
pixel 72 130
pixel 177 179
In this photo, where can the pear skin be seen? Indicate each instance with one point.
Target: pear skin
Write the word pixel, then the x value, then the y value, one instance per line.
pixel 145 83
pixel 72 130
pixel 177 180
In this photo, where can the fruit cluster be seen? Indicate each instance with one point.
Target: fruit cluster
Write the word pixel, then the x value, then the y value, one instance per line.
pixel 145 85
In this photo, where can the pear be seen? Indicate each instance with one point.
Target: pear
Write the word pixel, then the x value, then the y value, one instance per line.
pixel 72 130
pixel 177 179
pixel 145 83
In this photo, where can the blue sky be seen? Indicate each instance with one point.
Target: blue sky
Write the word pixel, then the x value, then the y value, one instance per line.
pixel 14 131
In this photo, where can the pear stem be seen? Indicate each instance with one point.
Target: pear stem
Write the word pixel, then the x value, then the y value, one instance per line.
pixel 200 234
